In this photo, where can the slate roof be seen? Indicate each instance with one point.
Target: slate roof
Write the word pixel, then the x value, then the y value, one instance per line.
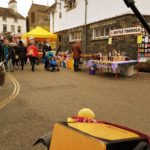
pixel 7 12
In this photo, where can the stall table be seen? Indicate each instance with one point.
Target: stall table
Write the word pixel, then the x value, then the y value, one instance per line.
pixel 116 66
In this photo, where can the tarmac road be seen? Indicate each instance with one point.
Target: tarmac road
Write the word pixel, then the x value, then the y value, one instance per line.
pixel 49 97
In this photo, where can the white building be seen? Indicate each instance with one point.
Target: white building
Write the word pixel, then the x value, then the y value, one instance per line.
pixel 90 21
pixel 71 13
pixel 11 21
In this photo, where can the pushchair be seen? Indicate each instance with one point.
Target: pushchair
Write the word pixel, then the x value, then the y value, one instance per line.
pixel 53 65
pixel 50 62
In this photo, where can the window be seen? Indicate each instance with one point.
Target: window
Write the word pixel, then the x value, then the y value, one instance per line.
pixel 15 20
pixel 96 33
pixel 4 19
pixel 32 17
pixel 4 28
pixel 60 38
pixel 74 36
pixel 19 29
pixel 60 15
pixel 70 4
pixel 101 32
pixel 13 28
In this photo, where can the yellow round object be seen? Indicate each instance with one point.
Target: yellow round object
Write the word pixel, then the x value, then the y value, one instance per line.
pixel 86 113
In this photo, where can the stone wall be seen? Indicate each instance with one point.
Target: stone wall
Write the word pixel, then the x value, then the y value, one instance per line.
pixel 127 43
pixel 42 18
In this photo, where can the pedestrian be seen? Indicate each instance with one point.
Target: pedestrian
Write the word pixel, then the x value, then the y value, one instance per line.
pixel 58 49
pixel 22 54
pixel 15 59
pixel 7 56
pixel 76 55
pixel 32 53
pixel 1 50
pixel 46 48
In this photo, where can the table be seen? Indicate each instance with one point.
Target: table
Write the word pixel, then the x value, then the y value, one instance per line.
pixel 123 66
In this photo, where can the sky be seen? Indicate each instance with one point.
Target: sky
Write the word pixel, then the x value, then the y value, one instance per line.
pixel 24 5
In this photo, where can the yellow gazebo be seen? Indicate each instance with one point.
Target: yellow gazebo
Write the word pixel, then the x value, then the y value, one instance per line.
pixel 39 32
pixel 42 35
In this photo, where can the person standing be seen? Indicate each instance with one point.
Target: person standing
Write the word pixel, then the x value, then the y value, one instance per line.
pixel 22 54
pixel 8 55
pixel 32 53
pixel 1 51
pixel 76 55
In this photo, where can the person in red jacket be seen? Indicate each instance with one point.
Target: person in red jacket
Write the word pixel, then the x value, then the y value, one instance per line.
pixel 32 53
pixel 76 55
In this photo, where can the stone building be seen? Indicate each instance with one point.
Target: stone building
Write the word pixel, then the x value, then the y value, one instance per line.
pixel 11 21
pixel 38 15
pixel 95 19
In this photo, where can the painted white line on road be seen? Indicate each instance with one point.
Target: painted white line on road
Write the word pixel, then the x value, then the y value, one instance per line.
pixel 14 94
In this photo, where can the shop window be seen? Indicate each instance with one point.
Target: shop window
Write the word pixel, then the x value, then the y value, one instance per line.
pixel 19 29
pixel 13 28
pixel 75 36
pixel 32 17
pixel 70 4
pixel 4 19
pixel 4 28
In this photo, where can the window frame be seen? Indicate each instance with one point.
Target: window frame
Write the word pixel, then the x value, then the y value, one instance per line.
pixel 75 36
pixel 70 4
pixel 103 34
pixel 4 19
pixel 5 25
pixel 18 29
pixel 15 20
pixel 13 28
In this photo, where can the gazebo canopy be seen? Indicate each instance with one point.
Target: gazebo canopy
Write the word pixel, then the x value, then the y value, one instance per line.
pixel 39 32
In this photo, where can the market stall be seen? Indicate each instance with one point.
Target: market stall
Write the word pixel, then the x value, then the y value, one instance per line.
pixel 41 35
pixel 125 68
pixel 117 61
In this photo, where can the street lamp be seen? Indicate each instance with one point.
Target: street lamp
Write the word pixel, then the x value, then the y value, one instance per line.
pixel 131 4
pixel 85 27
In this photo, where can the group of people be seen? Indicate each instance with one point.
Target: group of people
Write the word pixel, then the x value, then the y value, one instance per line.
pixel 17 54
pixel 12 54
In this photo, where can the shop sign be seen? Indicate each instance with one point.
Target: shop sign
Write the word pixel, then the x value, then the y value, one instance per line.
pixel 126 31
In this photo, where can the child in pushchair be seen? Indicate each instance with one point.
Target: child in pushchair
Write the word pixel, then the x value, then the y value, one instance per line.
pixel 51 63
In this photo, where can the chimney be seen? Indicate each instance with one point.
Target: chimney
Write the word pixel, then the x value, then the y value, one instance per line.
pixel 12 5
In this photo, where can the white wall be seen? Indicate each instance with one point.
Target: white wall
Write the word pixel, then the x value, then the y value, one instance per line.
pixel 10 21
pixel 96 10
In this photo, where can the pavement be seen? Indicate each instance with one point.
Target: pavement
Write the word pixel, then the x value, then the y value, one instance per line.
pixel 49 97
pixel 6 90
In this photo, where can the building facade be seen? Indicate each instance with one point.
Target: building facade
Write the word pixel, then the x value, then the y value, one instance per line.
pixel 76 18
pixel 38 15
pixel 11 21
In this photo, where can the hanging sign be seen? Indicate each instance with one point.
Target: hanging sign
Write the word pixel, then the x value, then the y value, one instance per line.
pixel 110 41
pixel 139 39
pixel 126 31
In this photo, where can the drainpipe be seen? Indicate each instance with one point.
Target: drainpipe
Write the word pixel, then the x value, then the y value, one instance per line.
pixel 85 27
pixel 53 20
